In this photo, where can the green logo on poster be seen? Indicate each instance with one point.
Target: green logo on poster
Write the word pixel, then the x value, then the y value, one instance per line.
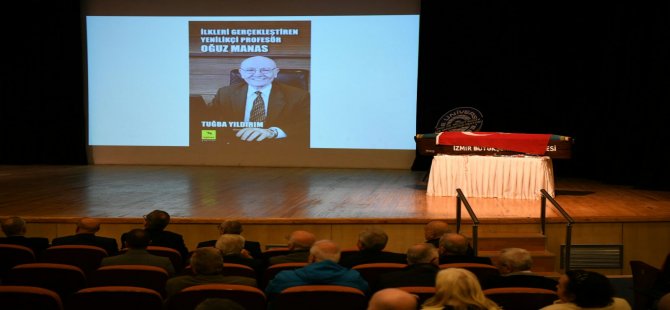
pixel 208 135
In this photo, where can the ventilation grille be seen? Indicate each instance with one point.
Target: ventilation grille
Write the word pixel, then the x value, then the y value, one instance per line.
pixel 595 256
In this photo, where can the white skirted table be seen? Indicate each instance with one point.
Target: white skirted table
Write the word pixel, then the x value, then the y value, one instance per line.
pixel 515 177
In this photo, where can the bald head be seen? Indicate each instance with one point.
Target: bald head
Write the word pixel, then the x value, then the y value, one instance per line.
pixel 14 226
pixel 435 229
pixel 301 240
pixel 453 244
pixel 392 299
pixel 324 250
pixel 258 71
pixel 88 225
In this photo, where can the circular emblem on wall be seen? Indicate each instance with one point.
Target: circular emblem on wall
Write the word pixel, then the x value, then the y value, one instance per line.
pixel 460 119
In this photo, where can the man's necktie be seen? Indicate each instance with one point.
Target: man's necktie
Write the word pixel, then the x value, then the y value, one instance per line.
pixel 258 109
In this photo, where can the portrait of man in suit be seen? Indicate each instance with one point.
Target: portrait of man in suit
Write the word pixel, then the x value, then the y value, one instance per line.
pixel 262 108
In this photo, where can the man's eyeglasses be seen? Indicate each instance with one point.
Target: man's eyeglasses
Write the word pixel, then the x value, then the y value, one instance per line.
pixel 262 70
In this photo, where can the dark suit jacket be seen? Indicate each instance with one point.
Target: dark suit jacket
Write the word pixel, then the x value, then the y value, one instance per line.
pixel 166 239
pixel 450 259
pixel 37 244
pixel 256 264
pixel 294 257
pixel 253 247
pixel 520 279
pixel 139 257
pixel 109 244
pixel 288 109
pixel 368 257
pixel 412 275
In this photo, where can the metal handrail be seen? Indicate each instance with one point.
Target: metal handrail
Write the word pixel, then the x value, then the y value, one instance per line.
pixel 475 221
pixel 568 229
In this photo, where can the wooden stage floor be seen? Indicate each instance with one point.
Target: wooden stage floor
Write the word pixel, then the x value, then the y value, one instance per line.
pixel 120 194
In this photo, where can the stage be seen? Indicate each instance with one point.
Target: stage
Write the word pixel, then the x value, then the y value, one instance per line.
pixel 335 203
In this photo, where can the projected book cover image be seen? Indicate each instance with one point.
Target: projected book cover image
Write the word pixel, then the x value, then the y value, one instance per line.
pixel 249 83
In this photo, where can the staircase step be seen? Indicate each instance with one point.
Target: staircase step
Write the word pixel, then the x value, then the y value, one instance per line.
pixel 543 261
pixel 499 241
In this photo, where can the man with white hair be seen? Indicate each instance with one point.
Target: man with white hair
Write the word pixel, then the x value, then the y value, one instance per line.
pixel 515 271
pixel 265 108
pixel 322 269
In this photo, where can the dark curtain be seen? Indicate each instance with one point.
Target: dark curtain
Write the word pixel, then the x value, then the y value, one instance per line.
pixel 597 72
pixel 42 118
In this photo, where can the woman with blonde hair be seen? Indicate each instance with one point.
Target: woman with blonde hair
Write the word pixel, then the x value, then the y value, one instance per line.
pixel 458 289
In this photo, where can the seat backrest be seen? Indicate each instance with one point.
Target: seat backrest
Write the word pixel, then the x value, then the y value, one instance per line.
pixel 308 297
pixel 521 298
pixel 150 277
pixel 63 279
pixel 482 271
pixel 12 255
pixel 29 298
pixel 86 257
pixel 371 272
pixel 644 278
pixel 231 269
pixel 423 292
pixel 294 77
pixel 248 297
pixel 273 270
pixel 115 298
pixel 172 254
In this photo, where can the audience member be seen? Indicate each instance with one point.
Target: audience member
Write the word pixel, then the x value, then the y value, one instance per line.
pixel 422 260
pixel 515 266
pixel 392 299
pixel 322 269
pixel 434 230
pixel 458 289
pixel 207 265
pixel 218 304
pixel 15 232
pixel 85 235
pixel 299 244
pixel 155 223
pixel 454 249
pixel 137 241
pixel 371 244
pixel 235 228
pixel 580 289
pixel 231 248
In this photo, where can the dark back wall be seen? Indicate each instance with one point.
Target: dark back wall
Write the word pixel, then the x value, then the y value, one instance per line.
pixel 595 72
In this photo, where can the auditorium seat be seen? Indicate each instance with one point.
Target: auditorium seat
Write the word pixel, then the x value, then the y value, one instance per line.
pixel 323 297
pixel 150 277
pixel 371 272
pixel 12 255
pixel 172 254
pixel 482 271
pixel 644 278
pixel 116 298
pixel 29 298
pixel 230 269
pixel 62 279
pixel 86 257
pixel 521 298
pixel 248 297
